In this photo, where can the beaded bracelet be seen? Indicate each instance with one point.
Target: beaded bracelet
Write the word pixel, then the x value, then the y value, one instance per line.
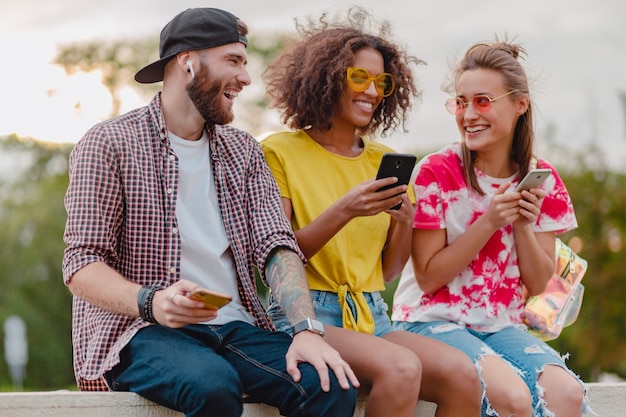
pixel 144 302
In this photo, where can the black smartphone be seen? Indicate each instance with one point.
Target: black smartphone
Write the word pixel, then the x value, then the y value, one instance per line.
pixel 398 165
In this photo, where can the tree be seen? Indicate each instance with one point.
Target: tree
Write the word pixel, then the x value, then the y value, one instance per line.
pixel 31 241
pixel 119 60
pixel 596 340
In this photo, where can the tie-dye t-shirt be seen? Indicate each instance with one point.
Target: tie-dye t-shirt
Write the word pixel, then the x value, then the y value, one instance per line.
pixel 487 295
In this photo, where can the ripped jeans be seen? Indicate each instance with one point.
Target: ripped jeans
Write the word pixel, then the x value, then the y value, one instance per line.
pixel 524 352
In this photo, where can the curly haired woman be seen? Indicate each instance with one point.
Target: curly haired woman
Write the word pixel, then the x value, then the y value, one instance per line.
pixel 336 85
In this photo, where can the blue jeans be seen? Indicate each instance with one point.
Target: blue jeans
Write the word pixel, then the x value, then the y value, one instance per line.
pixel 204 370
pixel 328 311
pixel 523 351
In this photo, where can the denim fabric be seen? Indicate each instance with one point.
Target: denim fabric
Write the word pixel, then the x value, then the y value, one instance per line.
pixel 523 351
pixel 204 370
pixel 328 311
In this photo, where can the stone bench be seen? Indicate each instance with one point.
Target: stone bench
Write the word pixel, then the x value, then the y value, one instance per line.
pixel 607 400
pixel 124 404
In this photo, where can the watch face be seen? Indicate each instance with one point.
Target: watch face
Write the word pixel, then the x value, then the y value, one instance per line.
pixel 309 324
pixel 317 326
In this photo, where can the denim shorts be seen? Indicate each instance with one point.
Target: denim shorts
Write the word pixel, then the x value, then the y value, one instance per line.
pixel 523 351
pixel 328 311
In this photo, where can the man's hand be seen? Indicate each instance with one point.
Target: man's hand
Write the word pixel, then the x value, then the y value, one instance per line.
pixel 172 308
pixel 312 348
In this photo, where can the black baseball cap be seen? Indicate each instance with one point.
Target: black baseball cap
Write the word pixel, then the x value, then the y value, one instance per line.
pixel 193 29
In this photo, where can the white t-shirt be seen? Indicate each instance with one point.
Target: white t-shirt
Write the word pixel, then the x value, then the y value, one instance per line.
pixel 206 256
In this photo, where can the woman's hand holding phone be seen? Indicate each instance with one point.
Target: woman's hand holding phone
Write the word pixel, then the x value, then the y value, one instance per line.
pixel 530 204
pixel 533 179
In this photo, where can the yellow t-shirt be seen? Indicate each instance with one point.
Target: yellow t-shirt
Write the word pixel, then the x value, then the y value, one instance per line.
pixel 313 179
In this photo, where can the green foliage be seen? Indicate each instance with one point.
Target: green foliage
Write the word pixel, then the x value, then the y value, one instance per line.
pixel 596 340
pixel 31 230
pixel 117 60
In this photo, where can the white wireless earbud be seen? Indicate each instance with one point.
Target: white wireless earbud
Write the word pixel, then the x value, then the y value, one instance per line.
pixel 190 70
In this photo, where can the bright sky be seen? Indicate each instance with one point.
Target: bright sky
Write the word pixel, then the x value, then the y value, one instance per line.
pixel 577 59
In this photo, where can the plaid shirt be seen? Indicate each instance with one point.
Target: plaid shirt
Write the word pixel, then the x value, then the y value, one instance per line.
pixel 121 204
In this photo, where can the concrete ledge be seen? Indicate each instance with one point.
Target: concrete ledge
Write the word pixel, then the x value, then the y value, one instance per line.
pixel 607 400
pixel 124 404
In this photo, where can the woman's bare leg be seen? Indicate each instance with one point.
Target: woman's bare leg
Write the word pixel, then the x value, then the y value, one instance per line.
pixel 392 372
pixel 506 391
pixel 449 379
pixel 563 394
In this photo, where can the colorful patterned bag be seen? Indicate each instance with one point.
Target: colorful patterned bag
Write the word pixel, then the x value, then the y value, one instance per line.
pixel 558 306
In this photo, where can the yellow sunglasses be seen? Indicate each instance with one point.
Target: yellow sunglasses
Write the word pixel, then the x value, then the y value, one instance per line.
pixel 359 80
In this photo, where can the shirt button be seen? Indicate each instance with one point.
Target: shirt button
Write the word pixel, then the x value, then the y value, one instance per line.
pixel 170 191
pixel 172 158
pixel 172 270
pixel 174 230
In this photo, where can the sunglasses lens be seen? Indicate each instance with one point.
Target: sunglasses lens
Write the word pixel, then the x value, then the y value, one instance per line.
pixel 359 80
pixel 384 84
pixel 482 104
pixel 455 105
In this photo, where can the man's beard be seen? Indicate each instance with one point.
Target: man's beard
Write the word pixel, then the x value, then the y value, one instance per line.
pixel 208 100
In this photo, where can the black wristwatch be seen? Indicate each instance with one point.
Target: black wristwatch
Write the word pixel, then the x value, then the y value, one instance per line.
pixel 309 324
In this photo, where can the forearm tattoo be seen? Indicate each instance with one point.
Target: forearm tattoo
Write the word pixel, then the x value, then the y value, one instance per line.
pixel 119 308
pixel 286 277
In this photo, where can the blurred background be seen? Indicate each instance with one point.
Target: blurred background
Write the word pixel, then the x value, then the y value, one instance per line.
pixel 69 64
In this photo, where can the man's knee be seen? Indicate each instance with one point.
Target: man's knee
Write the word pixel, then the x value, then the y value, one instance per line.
pixel 206 391
pixel 337 402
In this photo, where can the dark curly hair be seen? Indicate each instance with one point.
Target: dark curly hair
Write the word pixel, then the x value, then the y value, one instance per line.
pixel 307 80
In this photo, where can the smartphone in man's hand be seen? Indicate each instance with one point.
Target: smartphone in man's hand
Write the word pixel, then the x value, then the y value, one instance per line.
pixel 211 299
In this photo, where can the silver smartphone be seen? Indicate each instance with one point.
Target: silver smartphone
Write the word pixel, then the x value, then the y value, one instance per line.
pixel 533 179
